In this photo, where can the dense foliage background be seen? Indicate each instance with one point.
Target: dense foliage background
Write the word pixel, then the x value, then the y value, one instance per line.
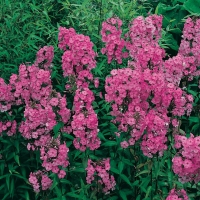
pixel 27 26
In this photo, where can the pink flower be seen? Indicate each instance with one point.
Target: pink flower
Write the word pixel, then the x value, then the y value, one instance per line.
pixel 124 144
pixel 61 174
pixel 96 83
pixel 52 152
pixel 54 101
pixel 177 195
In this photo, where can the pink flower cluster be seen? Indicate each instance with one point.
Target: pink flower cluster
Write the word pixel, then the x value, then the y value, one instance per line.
pixel 131 103
pixel 41 118
pixel 85 121
pixel 186 164
pixel 6 97
pixel 38 125
pixel 40 181
pixel 124 91
pixel 83 78
pixel 111 35
pixel 189 47
pixel 55 155
pixel 177 195
pixel 180 66
pixel 78 54
pixel 9 127
pixel 188 57
pixel 32 84
pixel 44 57
pixel 143 95
pixel 155 139
pixel 44 107
pixel 101 169
pixel 142 43
pixel 77 62
pixel 29 84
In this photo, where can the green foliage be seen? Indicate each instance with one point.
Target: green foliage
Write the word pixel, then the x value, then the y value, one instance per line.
pixel 192 6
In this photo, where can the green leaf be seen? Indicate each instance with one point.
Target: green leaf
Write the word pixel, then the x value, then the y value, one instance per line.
pixel 20 176
pixel 142 172
pixel 192 6
pixel 104 124
pixel 72 194
pixel 114 170
pixel 113 127
pixel 2 166
pixel 113 198
pixel 1 177
pixel 65 181
pixel 169 41
pixel 194 93
pixel 194 119
pixel 135 183
pixel 195 128
pixel 122 195
pixel 97 36
pixel 58 192
pixel 177 1
pixel 109 14
pixel 57 127
pixel 108 117
pixel 138 197
pixel 5 196
pixel 79 169
pixel 101 136
pixel 94 104
pixel 170 177
pixel 55 183
pixel 121 166
pixel 27 195
pixel 98 70
pixel 175 30
pixel 32 36
pixel 8 181
pixel 12 186
pixel 156 10
pixel 16 157
pixel 125 178
pixel 126 161
pixel 25 17
pixel 66 135
pixel 148 191
pixel 16 144
pixel 77 154
pixel 109 143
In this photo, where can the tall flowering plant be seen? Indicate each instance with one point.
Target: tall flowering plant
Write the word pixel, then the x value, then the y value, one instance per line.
pixel 147 98
pixel 142 94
